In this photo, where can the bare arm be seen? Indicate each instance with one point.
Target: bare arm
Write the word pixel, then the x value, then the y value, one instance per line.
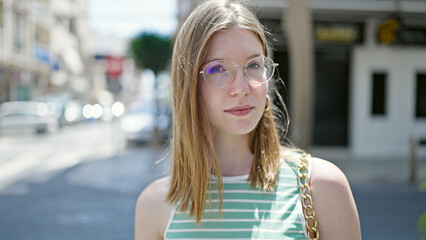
pixel 336 211
pixel 152 211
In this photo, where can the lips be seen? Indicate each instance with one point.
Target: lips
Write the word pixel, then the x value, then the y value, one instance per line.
pixel 240 110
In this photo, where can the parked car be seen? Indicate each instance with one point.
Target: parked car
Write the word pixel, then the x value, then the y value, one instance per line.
pixel 73 111
pixel 141 120
pixel 26 115
pixel 56 106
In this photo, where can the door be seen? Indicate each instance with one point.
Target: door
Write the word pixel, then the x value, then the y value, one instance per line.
pixel 331 96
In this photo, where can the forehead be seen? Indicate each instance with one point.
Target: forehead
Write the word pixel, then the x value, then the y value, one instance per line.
pixel 234 44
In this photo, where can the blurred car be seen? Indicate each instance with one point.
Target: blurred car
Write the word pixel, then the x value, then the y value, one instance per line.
pixel 95 111
pixel 73 111
pixel 141 120
pixel 26 115
pixel 56 106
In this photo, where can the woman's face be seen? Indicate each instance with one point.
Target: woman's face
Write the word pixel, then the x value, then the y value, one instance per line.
pixel 236 108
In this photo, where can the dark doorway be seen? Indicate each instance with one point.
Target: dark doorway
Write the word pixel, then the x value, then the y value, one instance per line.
pixel 331 96
pixel 282 86
pixel 283 72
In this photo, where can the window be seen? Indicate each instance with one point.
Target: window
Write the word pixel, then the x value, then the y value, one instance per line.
pixel 1 14
pixel 73 27
pixel 19 33
pixel 378 106
pixel 42 35
pixel 421 95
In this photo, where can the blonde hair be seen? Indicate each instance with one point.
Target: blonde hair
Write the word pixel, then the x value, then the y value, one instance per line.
pixel 194 158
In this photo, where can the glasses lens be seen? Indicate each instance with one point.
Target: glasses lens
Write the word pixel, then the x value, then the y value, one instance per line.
pixel 218 73
pixel 260 69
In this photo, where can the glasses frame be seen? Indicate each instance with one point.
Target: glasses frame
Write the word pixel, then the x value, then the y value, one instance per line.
pixel 234 69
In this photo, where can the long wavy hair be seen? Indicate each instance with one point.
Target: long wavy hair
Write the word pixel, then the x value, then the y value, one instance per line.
pixel 194 158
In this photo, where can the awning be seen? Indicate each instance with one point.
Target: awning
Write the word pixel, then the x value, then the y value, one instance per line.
pixel 65 46
pixel 72 60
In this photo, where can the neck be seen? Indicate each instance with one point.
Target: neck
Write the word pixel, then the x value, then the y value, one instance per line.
pixel 233 154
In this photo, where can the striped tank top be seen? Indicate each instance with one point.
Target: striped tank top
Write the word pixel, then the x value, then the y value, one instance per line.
pixel 248 213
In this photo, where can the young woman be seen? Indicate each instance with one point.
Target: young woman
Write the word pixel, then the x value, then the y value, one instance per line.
pixel 230 177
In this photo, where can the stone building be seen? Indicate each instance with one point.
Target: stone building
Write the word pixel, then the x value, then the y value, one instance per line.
pixel 43 48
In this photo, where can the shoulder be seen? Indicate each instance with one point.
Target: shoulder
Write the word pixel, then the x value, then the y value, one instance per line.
pixel 152 211
pixel 326 174
pixel 333 201
pixel 158 188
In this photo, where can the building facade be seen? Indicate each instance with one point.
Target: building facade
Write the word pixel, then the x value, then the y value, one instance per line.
pixel 42 48
pixel 369 71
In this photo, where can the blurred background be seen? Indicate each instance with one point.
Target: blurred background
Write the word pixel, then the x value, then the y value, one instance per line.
pixel 85 117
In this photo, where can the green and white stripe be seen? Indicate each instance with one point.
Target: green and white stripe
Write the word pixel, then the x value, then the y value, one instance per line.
pixel 248 213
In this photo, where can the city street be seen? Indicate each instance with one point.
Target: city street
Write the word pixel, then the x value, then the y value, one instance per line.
pixel 81 182
pixel 77 183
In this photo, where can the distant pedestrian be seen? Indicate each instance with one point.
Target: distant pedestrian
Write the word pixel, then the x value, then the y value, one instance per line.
pixel 231 177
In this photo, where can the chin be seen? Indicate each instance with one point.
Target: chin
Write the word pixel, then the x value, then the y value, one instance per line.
pixel 243 129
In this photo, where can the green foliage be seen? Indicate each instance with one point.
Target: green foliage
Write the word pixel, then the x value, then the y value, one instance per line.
pixel 422 225
pixel 423 186
pixel 152 51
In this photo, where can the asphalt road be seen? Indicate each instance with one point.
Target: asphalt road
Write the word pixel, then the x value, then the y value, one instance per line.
pixel 81 183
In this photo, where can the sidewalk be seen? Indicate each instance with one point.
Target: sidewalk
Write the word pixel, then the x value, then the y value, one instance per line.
pixel 388 205
pixel 371 170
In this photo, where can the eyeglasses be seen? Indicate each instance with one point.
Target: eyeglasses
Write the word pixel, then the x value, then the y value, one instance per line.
pixel 220 73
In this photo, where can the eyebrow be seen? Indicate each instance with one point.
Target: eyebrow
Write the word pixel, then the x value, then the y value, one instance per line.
pixel 218 59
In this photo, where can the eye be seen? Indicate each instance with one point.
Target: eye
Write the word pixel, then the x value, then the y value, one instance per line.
pixel 216 68
pixel 254 66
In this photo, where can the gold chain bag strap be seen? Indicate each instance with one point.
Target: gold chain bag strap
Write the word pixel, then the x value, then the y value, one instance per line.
pixel 307 202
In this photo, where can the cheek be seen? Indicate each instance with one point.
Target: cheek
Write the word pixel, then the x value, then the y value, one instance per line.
pixel 260 92
pixel 208 97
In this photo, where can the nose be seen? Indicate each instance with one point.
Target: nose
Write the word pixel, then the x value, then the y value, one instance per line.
pixel 240 85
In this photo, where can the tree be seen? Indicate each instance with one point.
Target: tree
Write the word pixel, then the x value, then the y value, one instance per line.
pixel 152 51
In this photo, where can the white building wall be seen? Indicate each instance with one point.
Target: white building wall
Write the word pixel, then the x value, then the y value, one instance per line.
pixel 388 135
pixel 369 135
